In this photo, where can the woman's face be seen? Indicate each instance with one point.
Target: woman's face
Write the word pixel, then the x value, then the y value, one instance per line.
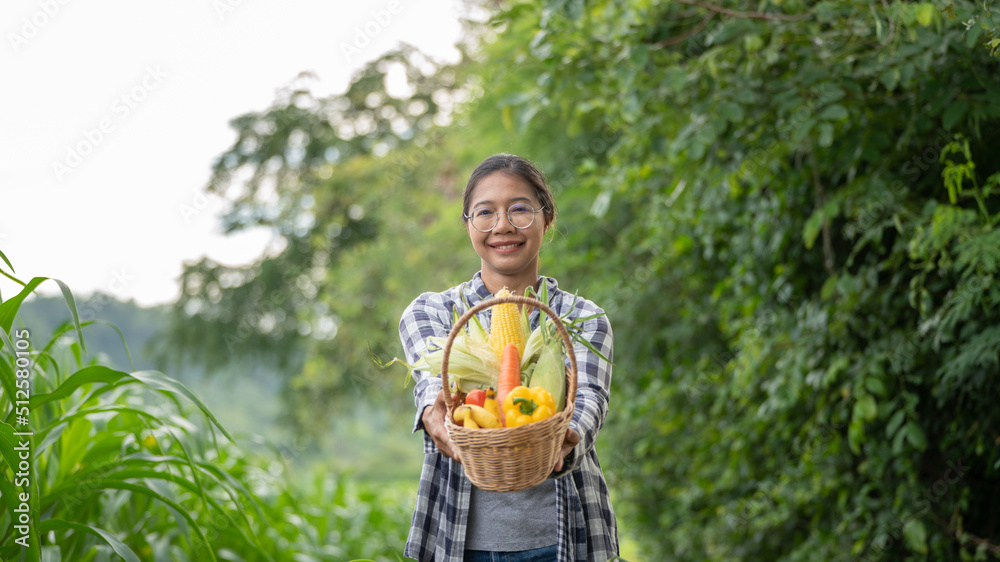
pixel 508 253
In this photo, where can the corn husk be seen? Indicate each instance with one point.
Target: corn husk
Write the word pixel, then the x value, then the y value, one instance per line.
pixel 472 363
pixel 550 371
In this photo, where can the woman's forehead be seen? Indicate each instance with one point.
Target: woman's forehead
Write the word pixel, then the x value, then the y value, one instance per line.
pixel 501 188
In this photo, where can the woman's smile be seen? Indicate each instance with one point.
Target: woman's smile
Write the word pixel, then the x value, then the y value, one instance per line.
pixel 506 247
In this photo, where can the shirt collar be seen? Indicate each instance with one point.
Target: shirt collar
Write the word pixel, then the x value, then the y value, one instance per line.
pixel 477 290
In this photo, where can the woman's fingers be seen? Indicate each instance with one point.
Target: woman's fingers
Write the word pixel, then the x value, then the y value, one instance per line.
pixel 434 425
pixel 570 441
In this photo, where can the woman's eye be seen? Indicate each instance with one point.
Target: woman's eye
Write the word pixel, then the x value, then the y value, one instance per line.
pixel 483 212
pixel 518 209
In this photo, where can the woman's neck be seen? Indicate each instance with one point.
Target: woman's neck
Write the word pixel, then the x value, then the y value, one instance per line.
pixel 515 285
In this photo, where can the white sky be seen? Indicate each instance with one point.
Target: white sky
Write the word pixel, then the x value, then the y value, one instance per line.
pixel 119 219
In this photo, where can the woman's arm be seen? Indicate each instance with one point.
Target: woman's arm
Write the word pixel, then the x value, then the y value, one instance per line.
pixel 428 315
pixel 593 386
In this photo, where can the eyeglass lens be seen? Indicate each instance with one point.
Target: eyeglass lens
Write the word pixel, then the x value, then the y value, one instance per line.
pixel 519 216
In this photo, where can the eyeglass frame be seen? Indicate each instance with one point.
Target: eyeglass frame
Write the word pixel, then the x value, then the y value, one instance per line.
pixel 507 213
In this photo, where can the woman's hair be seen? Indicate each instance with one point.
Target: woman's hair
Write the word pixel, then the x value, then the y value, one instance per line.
pixel 518 167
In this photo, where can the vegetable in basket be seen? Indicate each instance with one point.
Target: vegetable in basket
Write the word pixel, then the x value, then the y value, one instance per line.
pixel 528 405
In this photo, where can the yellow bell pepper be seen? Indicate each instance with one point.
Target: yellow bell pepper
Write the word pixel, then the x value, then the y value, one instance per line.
pixel 525 405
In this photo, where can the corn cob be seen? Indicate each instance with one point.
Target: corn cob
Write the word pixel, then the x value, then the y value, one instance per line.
pixel 505 326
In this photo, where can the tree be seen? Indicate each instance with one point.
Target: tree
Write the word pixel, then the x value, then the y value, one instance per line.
pixel 333 178
pixel 804 315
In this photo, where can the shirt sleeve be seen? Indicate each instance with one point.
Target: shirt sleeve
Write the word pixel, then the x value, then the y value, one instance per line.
pixel 593 386
pixel 428 315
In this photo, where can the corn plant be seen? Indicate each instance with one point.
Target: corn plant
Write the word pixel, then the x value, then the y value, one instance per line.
pixel 132 466
pixel 98 461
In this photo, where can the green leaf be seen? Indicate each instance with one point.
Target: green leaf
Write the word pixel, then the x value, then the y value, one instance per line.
pixel 812 227
pixel 829 288
pixel 825 134
pixel 732 112
pixel 915 535
pixel 875 386
pixel 7 381
pixel 76 440
pixel 160 381
pixel 56 524
pixel 954 113
pixel 895 422
pixel 865 407
pixel 71 303
pixel 835 112
pixel 9 345
pixel 753 43
pixel 915 435
pixel 925 16
pixel 177 508
pixel 839 365
pixel 802 132
pixel 7 261
pixel 890 78
pixel 856 434
pixel 9 308
pixel 87 375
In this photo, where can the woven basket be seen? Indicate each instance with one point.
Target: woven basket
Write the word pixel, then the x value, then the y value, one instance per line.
pixel 510 458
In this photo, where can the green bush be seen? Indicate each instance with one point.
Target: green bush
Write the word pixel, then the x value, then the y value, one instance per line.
pixel 795 235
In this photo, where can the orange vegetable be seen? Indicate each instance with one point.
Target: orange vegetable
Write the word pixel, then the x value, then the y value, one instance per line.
pixel 510 373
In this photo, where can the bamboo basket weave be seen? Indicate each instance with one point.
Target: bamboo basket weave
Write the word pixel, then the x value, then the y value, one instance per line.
pixel 510 458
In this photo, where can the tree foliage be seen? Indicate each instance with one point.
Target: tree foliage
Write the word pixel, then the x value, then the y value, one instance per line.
pixel 807 323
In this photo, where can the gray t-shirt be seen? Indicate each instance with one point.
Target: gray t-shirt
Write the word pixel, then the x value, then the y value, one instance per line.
pixel 512 521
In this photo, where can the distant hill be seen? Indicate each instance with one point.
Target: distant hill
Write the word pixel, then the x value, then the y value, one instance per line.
pixel 139 325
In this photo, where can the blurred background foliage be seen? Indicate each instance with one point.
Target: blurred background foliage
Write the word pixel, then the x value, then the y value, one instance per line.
pixel 789 210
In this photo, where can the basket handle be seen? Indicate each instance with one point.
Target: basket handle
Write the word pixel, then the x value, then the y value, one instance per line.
pixel 517 299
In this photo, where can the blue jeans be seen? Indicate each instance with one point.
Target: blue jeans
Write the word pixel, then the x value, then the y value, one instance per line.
pixel 544 554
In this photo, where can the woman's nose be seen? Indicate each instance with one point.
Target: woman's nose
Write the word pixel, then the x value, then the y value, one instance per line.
pixel 503 223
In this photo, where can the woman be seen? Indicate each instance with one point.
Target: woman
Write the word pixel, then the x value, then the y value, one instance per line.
pixel 508 208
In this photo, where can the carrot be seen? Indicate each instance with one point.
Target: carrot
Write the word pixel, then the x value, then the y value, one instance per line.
pixel 510 374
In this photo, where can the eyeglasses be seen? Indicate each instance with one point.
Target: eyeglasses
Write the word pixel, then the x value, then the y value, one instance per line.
pixel 519 215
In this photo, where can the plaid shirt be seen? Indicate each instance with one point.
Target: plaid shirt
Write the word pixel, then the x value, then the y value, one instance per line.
pixel 586 529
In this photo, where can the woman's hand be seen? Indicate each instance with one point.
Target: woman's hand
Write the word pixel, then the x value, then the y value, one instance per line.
pixel 571 440
pixel 433 419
